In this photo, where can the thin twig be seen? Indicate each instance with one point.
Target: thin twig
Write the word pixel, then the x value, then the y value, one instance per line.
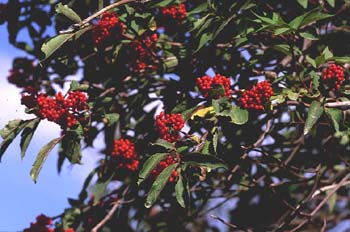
pixel 108 216
pixel 223 221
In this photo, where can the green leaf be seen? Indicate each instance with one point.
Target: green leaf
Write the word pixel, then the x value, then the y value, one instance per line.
pixel 41 157
pixel 284 48
pixel 327 53
pixel 313 16
pixel 296 22
pixel 27 135
pixel 53 44
pixel 315 112
pixel 332 202
pixel 291 94
pixel 282 30
pixel 311 61
pixel 100 188
pixel 165 144
pixel 161 3
pixel 222 106
pixel 239 116
pixel 83 193
pixel 112 118
pixel 209 161
pixel 336 116
pixel 69 217
pixel 68 12
pixel 331 3
pixel 158 185
pixel 205 38
pixel 308 35
pixel 74 85
pixel 10 131
pixel 342 60
pixel 71 147
pixel 149 165
pixel 179 190
pixel 303 3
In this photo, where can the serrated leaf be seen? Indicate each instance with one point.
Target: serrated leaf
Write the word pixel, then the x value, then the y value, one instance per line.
pixel 53 44
pixel 41 157
pixel 165 144
pixel 158 185
pixel 336 116
pixel 308 35
pixel 112 118
pixel 209 161
pixel 315 112
pixel 71 147
pixel 202 112
pixel 239 116
pixel 9 133
pixel 27 135
pixel 179 190
pixel 68 12
pixel 149 165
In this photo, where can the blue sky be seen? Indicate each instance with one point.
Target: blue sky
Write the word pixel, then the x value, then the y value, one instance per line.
pixel 21 199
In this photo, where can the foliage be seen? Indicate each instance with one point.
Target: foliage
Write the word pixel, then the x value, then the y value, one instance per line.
pixel 266 136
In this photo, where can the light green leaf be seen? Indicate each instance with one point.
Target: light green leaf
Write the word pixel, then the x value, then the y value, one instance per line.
pixel 68 12
pixel 308 35
pixel 149 165
pixel 315 112
pixel 327 53
pixel 331 3
pixel 303 3
pixel 41 157
pixel 311 61
pixel 112 118
pixel 205 38
pixel 179 190
pixel 336 116
pixel 239 116
pixel 158 185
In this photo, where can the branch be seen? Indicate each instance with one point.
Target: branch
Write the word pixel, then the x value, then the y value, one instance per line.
pixel 223 221
pixel 108 216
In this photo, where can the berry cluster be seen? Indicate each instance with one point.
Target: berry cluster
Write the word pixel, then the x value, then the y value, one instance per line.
pixel 162 165
pixel 108 28
pixel 175 13
pixel 256 97
pixel 125 154
pixel 333 76
pixel 21 73
pixel 206 84
pixel 143 52
pixel 65 111
pixel 169 126
pixel 40 225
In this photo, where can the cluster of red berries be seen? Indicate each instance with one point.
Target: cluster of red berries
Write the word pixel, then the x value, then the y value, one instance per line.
pixel 143 51
pixel 65 111
pixel 40 225
pixel 169 126
pixel 125 154
pixel 169 160
pixel 206 84
pixel 176 13
pixel 333 76
pixel 109 27
pixel 21 73
pixel 256 97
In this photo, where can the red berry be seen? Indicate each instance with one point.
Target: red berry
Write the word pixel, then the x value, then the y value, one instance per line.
pixel 108 28
pixel 174 13
pixel 169 160
pixel 256 97
pixel 206 83
pixel 125 154
pixel 169 125
pixel 333 76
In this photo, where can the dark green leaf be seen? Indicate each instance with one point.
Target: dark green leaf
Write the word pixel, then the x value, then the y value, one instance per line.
pixel 313 16
pixel 41 157
pixel 83 193
pixel 161 3
pixel 149 165
pixel 71 147
pixel 53 44
pixel 10 131
pixel 205 38
pixel 158 185
pixel 27 135
pixel 165 144
pixel 100 188
pixel 315 112
pixel 68 12
pixel 179 190
pixel 209 161
pixel 69 217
